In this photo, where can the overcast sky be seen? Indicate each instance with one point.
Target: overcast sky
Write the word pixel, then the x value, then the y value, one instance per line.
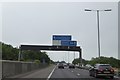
pixel 36 22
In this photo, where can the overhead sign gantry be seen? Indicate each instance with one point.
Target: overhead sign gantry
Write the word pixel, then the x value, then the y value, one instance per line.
pixel 67 46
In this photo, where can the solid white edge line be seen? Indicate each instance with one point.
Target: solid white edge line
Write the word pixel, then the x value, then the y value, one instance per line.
pixel 51 73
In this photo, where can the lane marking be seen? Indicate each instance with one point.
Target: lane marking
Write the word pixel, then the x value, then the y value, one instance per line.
pixel 78 74
pixel 51 73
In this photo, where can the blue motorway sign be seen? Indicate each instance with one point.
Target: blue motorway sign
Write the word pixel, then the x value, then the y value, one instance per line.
pixel 61 37
pixel 68 43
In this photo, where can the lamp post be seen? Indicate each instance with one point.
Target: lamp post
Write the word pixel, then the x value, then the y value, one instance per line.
pixel 19 55
pixel 98 26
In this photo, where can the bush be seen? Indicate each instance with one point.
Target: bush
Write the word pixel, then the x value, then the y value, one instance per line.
pixel 37 61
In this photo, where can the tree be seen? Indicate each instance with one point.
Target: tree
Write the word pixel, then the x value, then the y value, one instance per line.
pixel 102 60
pixel 10 53
pixel 76 61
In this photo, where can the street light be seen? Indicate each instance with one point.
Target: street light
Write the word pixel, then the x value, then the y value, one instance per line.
pixel 98 26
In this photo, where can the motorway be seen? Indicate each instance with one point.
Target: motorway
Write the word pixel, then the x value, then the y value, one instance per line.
pixel 53 72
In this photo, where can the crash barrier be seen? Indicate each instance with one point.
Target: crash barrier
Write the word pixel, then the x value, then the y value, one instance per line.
pixel 11 68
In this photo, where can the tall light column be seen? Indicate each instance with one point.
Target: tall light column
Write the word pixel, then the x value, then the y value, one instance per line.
pixel 98 26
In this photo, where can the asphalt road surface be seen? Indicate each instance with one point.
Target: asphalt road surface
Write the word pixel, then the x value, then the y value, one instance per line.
pixel 70 73
pixel 75 74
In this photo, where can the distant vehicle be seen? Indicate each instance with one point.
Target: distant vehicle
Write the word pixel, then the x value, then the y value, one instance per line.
pixel 60 65
pixel 71 66
pixel 87 66
pixel 102 70
pixel 65 65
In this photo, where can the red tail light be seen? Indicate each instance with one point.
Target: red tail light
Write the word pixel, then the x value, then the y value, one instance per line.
pixel 112 70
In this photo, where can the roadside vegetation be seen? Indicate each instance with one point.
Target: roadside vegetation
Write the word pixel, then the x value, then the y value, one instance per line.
pixel 11 53
pixel 102 60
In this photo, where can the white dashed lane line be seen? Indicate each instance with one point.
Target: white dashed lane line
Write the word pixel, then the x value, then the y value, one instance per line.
pixel 78 74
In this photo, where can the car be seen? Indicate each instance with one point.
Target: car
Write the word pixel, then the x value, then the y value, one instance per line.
pixel 87 66
pixel 71 66
pixel 65 65
pixel 60 66
pixel 102 70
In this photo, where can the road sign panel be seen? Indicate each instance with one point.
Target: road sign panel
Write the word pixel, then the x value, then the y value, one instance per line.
pixel 56 42
pixel 68 43
pixel 61 37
